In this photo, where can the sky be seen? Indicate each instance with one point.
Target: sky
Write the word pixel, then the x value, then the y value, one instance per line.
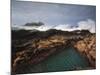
pixel 52 14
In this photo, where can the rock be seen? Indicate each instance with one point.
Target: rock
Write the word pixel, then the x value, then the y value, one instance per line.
pixel 88 46
pixel 39 48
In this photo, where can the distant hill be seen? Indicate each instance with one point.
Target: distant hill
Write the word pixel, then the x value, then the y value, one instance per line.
pixel 34 24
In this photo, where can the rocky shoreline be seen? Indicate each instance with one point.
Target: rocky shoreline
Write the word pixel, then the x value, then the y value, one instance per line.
pixel 87 47
pixel 36 50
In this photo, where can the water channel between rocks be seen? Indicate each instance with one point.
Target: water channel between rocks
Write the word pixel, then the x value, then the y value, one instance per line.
pixel 65 60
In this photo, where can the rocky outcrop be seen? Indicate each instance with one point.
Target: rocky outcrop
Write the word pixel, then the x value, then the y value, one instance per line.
pixel 87 46
pixel 34 50
pixel 39 50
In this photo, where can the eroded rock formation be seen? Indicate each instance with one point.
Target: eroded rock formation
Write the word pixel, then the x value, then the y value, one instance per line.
pixel 35 50
pixel 87 46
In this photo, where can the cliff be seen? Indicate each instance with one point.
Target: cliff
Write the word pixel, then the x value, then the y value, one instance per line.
pixel 87 47
pixel 34 47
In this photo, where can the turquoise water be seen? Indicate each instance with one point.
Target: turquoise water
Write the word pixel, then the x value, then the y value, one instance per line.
pixel 67 59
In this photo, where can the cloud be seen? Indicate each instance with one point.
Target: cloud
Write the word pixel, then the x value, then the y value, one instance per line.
pixel 81 25
pixel 87 25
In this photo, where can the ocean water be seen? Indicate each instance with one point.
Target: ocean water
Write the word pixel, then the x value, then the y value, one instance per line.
pixel 66 60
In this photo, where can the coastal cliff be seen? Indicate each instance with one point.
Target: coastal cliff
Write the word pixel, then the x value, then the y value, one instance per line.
pixel 34 47
pixel 87 47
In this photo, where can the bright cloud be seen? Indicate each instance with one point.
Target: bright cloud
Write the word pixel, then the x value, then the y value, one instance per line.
pixel 82 25
pixel 87 25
